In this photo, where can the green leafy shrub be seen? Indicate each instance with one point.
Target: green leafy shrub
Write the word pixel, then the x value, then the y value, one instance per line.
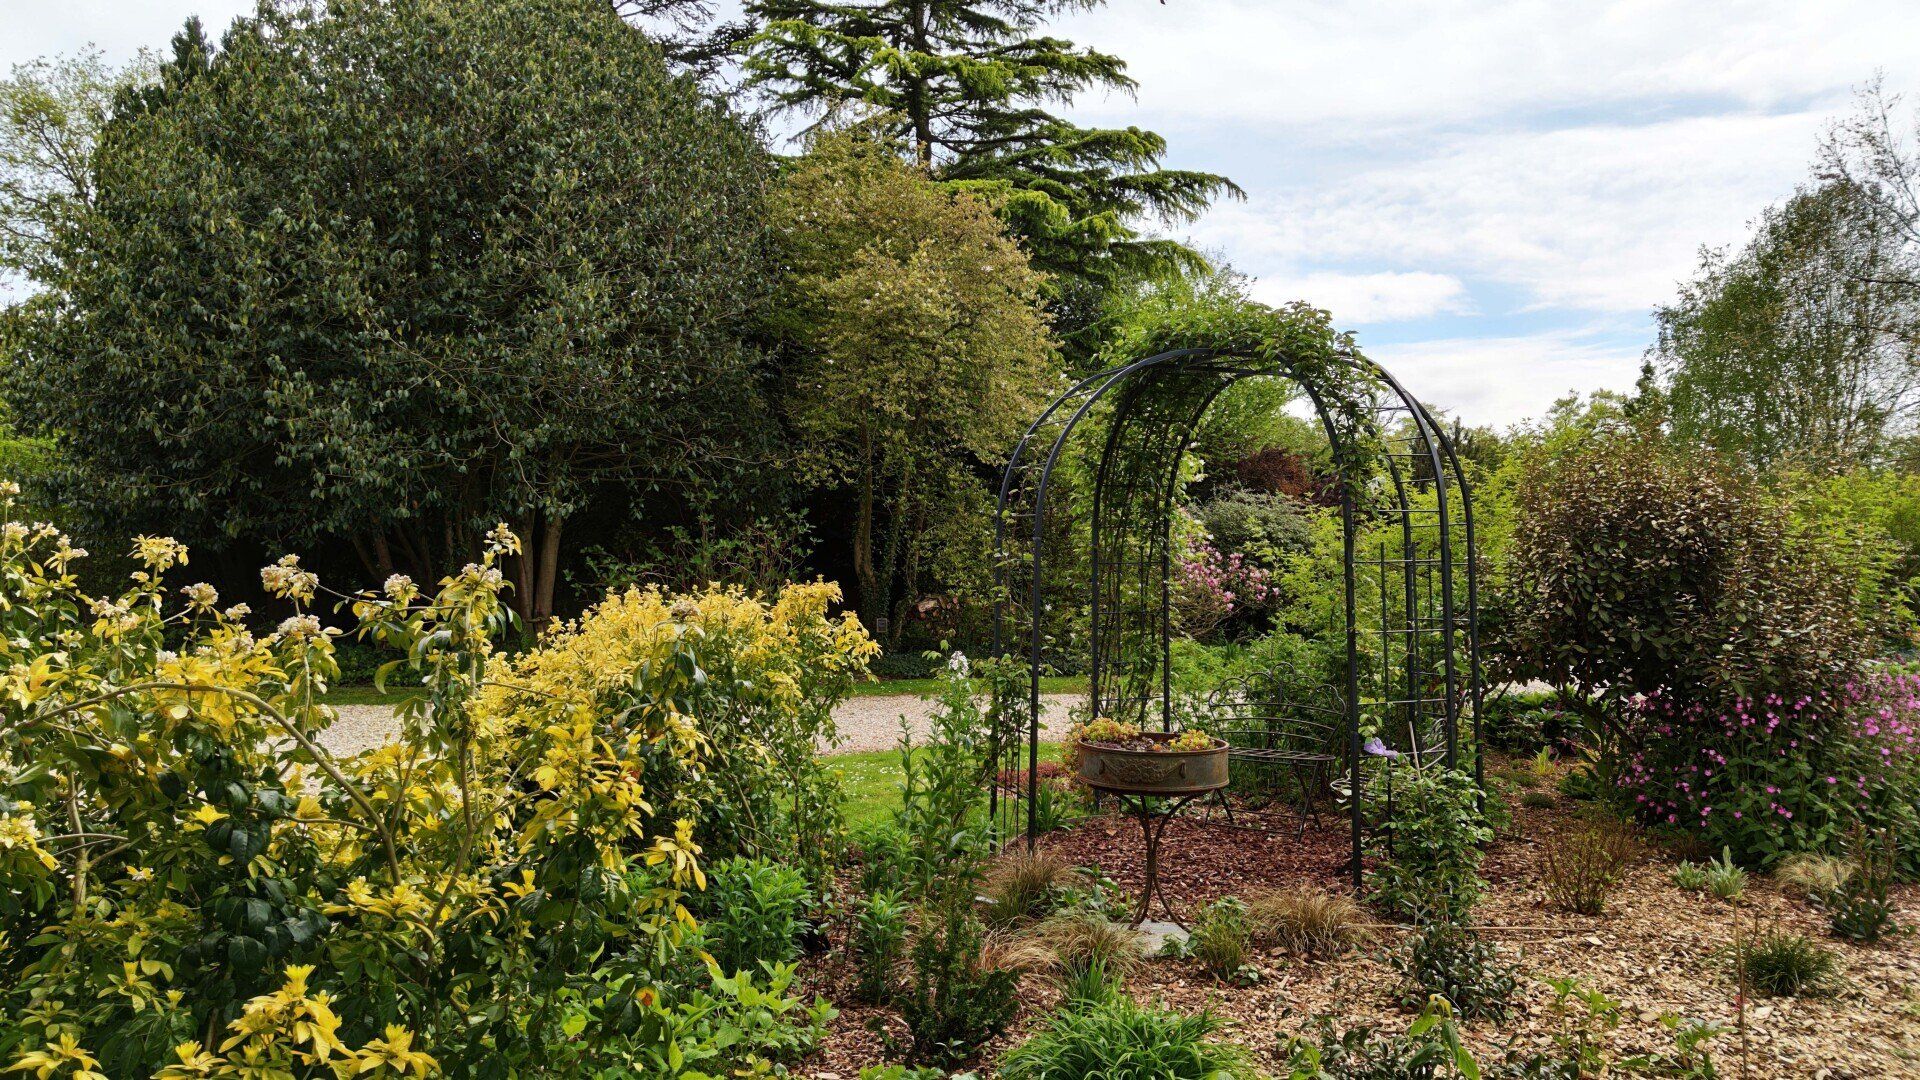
pixel 1785 964
pixel 1527 724
pixel 1122 1040
pixel 1263 527
pixel 753 911
pixel 1703 590
pixel 911 664
pixel 953 1003
pixel 1581 867
pixel 533 828
pixel 878 940
pixel 886 860
pixel 1307 921
pixel 943 784
pixel 1582 785
pixel 732 1025
pixel 1452 961
pixel 1220 939
pixel 1429 843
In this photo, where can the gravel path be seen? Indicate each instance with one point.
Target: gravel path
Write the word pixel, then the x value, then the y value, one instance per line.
pixel 866 723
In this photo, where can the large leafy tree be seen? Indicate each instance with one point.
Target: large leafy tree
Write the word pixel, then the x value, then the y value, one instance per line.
pixel 919 347
pixel 1804 346
pixel 51 113
pixel 392 271
pixel 971 85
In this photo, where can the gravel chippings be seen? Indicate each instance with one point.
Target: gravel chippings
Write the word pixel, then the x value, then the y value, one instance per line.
pixel 873 722
pixel 360 727
pixel 866 723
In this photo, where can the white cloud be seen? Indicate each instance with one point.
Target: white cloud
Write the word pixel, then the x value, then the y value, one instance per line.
pixel 1338 63
pixel 119 28
pixel 1503 380
pixel 1601 217
pixel 1360 299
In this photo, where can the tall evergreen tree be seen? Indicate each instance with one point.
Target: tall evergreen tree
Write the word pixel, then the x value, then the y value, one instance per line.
pixel 969 85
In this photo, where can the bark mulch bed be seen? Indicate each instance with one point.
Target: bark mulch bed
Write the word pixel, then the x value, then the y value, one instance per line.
pixel 1657 950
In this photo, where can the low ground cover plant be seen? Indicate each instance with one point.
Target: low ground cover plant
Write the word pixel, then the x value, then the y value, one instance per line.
pixel 1221 941
pixel 1779 963
pixel 1307 921
pixel 1119 1039
pixel 1027 885
pixel 1080 940
pixel 1452 961
pixel 1857 892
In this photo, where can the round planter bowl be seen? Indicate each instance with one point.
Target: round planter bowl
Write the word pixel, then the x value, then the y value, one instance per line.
pixel 1154 772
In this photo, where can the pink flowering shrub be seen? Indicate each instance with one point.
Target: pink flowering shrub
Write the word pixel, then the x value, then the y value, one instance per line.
pixel 1209 588
pixel 1771 775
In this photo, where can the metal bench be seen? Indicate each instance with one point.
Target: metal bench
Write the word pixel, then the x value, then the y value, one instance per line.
pixel 1265 728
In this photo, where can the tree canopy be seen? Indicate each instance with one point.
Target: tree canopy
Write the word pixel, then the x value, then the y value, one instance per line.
pixel 1802 346
pixel 970 84
pixel 920 347
pixel 395 271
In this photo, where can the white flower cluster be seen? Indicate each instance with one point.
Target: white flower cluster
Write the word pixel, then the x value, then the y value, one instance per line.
pixel 287 580
pixel 489 576
pixel 300 628
pixel 201 596
pixel 18 832
pixel 398 587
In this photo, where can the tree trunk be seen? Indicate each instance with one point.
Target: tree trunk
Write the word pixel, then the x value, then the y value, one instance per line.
pixel 919 109
pixel 549 570
pixel 523 566
pixel 864 576
pixel 382 555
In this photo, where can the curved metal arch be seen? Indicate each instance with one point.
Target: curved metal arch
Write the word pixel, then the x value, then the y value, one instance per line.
pixel 1074 406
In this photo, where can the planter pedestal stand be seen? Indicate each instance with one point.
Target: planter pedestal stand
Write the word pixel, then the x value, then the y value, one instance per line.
pixel 1160 783
pixel 1153 825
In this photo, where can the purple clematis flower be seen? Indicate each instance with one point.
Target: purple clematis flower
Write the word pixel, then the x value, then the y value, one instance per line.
pixel 1379 749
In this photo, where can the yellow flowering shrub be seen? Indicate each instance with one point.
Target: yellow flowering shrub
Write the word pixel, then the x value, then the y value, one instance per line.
pixel 191 885
pixel 744 685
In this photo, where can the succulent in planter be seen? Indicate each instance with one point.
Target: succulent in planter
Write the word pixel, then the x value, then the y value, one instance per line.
pixel 1108 733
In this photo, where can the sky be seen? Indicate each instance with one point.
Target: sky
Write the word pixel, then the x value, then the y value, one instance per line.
pixel 1493 195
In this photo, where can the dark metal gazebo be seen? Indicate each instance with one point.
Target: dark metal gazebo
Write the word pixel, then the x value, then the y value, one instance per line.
pixel 1092 582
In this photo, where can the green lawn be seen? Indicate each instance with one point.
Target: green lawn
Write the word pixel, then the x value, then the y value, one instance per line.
pixel 871 781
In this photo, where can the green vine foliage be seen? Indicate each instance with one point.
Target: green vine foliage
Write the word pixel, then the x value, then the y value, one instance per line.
pixel 1429 841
